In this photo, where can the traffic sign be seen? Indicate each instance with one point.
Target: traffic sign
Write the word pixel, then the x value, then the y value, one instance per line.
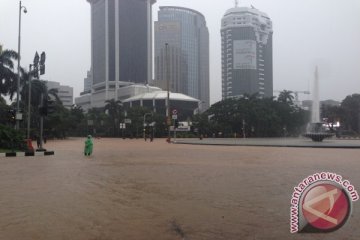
pixel 19 116
pixel 174 112
pixel 174 116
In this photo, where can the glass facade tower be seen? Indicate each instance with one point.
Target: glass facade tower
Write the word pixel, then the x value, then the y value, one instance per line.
pixel 121 43
pixel 187 55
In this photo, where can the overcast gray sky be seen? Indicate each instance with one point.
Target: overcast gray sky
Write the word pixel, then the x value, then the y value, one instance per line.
pixel 306 33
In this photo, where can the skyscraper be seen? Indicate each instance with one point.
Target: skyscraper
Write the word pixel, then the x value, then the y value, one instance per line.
pixel 246 45
pixel 182 47
pixel 121 44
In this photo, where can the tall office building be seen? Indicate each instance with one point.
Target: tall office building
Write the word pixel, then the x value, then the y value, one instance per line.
pixel 121 45
pixel 246 45
pixel 182 53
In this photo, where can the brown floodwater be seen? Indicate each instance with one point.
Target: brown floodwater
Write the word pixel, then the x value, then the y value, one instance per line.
pixel 132 189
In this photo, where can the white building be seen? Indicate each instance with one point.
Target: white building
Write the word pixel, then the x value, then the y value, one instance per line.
pixel 88 82
pixel 126 90
pixel 246 46
pixel 65 93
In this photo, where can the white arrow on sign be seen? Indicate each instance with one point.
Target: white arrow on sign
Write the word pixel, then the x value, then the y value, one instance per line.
pixel 330 195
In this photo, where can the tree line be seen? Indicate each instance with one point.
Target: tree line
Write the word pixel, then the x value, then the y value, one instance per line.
pixel 251 116
pixel 247 116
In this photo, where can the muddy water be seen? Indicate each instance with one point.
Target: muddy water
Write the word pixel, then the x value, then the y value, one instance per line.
pixel 131 189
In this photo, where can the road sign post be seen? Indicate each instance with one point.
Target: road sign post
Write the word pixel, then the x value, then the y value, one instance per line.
pixel 174 117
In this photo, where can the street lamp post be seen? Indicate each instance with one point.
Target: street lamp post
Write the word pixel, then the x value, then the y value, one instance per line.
pixel 168 90
pixel 18 117
pixel 38 66
pixel 29 102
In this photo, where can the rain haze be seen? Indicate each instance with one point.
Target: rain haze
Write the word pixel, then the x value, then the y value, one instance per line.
pixel 306 33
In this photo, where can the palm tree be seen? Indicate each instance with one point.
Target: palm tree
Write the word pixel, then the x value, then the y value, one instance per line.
pixel 38 87
pixel 4 108
pixel 113 108
pixel 2 101
pixel 97 118
pixel 53 94
pixel 286 97
pixel 7 75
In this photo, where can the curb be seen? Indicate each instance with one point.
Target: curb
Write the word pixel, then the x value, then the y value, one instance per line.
pixel 348 138
pixel 27 154
pixel 269 145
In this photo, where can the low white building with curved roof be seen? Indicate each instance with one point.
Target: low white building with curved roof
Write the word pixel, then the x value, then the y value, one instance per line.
pixel 156 101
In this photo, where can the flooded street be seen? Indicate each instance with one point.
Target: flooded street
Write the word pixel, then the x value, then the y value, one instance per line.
pixel 131 189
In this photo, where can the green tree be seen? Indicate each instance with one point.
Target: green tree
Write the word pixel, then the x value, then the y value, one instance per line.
pixel 136 114
pixel 286 96
pixel 114 109
pixel 52 94
pixel 351 112
pixel 255 117
pixel 201 123
pixel 58 124
pixel 332 113
pixel 77 121
pixel 38 87
pixel 160 128
pixel 96 121
pixel 11 139
pixel 65 122
pixel 2 101
pixel 7 76
pixel 4 112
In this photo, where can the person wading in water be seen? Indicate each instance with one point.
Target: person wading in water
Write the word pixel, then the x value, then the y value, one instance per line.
pixel 88 146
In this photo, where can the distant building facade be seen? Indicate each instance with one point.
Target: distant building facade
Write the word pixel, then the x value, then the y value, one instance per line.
pixel 182 53
pixel 153 98
pixel 125 90
pixel 307 104
pixel 121 47
pixel 247 59
pixel 65 93
pixel 88 82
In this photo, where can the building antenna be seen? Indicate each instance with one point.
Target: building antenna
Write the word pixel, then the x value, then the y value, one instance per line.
pixel 236 3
